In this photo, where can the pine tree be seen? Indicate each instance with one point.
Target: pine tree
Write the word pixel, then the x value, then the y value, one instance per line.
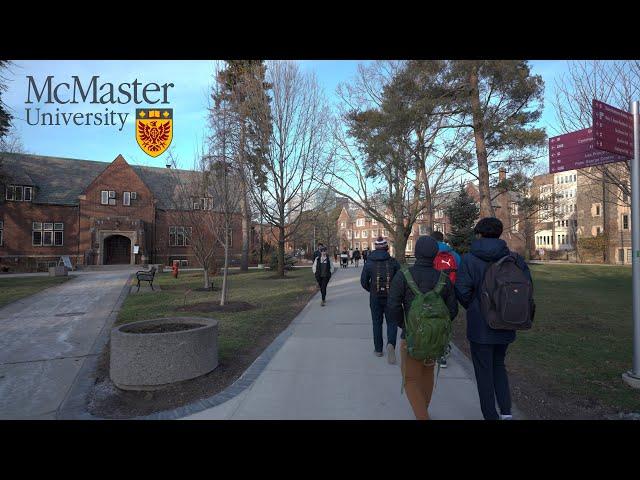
pixel 462 213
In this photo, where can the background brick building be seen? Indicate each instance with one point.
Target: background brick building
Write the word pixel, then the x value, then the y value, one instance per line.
pixel 95 212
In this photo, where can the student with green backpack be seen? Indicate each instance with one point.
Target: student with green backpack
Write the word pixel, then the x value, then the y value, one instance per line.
pixel 422 301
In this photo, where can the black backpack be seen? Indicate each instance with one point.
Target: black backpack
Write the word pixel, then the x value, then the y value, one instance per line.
pixel 382 279
pixel 506 296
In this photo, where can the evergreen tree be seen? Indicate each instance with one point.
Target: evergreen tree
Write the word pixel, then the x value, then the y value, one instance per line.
pixel 462 213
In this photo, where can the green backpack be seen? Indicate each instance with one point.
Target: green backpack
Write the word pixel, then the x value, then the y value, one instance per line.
pixel 427 324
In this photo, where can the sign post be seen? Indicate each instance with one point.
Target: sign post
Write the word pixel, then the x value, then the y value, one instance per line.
pixel 632 377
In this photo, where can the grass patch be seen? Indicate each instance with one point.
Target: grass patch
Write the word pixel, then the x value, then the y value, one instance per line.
pixel 15 288
pixel 242 333
pixel 581 340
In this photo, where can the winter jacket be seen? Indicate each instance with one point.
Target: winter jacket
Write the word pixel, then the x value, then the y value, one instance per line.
pixel 369 270
pixel 471 272
pixel 356 254
pixel 445 247
pixel 426 277
pixel 317 268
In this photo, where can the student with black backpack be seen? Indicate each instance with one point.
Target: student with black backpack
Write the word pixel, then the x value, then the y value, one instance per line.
pixel 376 278
pixel 495 286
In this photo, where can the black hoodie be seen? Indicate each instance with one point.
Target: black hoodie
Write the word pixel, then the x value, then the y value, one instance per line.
pixel 426 277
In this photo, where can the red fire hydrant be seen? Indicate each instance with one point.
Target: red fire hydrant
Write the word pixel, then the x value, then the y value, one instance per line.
pixel 175 269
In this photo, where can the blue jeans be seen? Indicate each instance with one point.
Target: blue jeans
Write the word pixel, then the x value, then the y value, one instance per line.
pixel 491 377
pixel 378 312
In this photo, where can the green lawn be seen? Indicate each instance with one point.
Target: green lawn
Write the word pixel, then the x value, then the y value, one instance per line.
pixel 581 339
pixel 15 288
pixel 277 301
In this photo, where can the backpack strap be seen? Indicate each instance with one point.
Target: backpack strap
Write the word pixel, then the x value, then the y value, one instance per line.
pixel 442 281
pixel 410 281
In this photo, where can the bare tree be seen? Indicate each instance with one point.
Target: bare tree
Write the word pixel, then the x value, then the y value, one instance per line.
pixel 614 82
pixel 392 148
pixel 287 176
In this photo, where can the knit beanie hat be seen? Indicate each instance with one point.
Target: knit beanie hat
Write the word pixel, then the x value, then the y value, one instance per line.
pixel 381 244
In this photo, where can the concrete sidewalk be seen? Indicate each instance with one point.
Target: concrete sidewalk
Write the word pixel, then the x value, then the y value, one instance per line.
pixel 326 369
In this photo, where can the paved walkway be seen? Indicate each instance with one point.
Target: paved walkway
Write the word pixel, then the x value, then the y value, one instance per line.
pixel 326 370
pixel 45 339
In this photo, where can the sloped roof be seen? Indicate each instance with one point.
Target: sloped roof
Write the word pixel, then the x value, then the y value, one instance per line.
pixel 60 181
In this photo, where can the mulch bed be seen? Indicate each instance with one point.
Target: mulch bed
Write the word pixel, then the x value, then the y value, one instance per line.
pixel 216 307
pixel 531 393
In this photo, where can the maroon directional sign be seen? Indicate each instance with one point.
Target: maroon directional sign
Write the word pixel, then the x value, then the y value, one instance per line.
pixel 576 150
pixel 612 129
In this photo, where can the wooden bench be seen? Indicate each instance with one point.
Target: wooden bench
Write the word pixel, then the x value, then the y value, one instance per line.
pixel 146 276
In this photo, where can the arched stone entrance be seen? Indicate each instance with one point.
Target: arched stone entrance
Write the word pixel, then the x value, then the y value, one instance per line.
pixel 117 250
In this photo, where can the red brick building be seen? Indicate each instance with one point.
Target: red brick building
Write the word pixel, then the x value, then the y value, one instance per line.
pixel 96 213
pixel 357 230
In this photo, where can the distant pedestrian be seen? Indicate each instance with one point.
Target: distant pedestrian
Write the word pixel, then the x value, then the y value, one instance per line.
pixel 365 253
pixel 344 259
pixel 351 256
pixel 376 278
pixel 356 257
pixel 437 311
pixel 322 269
pixel 447 260
pixel 494 285
pixel 316 254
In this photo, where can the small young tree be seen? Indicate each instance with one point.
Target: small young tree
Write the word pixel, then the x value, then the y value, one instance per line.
pixel 463 214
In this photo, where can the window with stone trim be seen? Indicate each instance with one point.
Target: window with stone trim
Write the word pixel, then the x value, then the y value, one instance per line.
pixel 47 234
pixel 625 222
pixel 18 193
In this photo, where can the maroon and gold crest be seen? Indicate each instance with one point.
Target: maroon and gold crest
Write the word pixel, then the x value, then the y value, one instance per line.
pixel 154 129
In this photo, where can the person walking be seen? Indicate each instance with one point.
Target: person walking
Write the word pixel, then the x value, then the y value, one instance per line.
pixel 365 253
pixel 447 260
pixel 351 256
pixel 418 376
pixel 316 253
pixel 489 345
pixel 356 257
pixel 322 269
pixel 376 278
pixel 344 259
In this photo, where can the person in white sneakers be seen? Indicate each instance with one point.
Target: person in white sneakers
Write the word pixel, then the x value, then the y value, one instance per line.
pixel 322 269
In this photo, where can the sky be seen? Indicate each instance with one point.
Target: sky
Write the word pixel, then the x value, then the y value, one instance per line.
pixel 188 98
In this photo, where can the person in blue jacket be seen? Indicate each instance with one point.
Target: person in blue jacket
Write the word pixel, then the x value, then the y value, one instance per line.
pixel 488 346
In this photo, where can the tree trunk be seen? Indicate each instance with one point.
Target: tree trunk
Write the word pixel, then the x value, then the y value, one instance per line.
pixel 281 252
pixel 207 281
pixel 486 208
pixel 223 294
pixel 400 245
pixel 246 229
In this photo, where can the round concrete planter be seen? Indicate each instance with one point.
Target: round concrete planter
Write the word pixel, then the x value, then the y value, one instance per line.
pixel 146 361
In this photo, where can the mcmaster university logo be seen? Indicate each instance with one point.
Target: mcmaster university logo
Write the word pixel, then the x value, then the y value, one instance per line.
pixel 154 130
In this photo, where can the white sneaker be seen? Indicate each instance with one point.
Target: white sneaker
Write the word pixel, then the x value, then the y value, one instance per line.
pixel 391 354
pixel 506 417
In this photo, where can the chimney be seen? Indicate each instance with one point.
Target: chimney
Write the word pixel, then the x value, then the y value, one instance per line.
pixel 502 174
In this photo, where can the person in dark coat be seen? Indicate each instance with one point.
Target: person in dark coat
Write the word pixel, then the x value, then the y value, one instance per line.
pixel 365 253
pixel 356 257
pixel 418 376
pixel 322 269
pixel 488 346
pixel 316 254
pixel 376 278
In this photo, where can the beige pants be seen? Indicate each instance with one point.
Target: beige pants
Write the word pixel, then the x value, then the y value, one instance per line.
pixel 418 379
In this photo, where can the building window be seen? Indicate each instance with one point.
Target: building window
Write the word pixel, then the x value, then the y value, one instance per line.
pixel 625 222
pixel 514 224
pixel 437 227
pixel 126 198
pixel 357 234
pixel 621 255
pixel 422 229
pixel 104 197
pixel 360 222
pixel 439 213
pixel 597 210
pixel 409 246
pixel 343 225
pixel 179 236
pixel 365 234
pixel 18 193
pixel 374 221
pixel 628 255
pixel 514 209
pixel 47 234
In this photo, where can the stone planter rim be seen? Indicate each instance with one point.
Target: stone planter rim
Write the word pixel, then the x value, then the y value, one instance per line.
pixel 204 321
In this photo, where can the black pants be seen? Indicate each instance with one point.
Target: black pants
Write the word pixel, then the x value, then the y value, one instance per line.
pixel 322 283
pixel 491 377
